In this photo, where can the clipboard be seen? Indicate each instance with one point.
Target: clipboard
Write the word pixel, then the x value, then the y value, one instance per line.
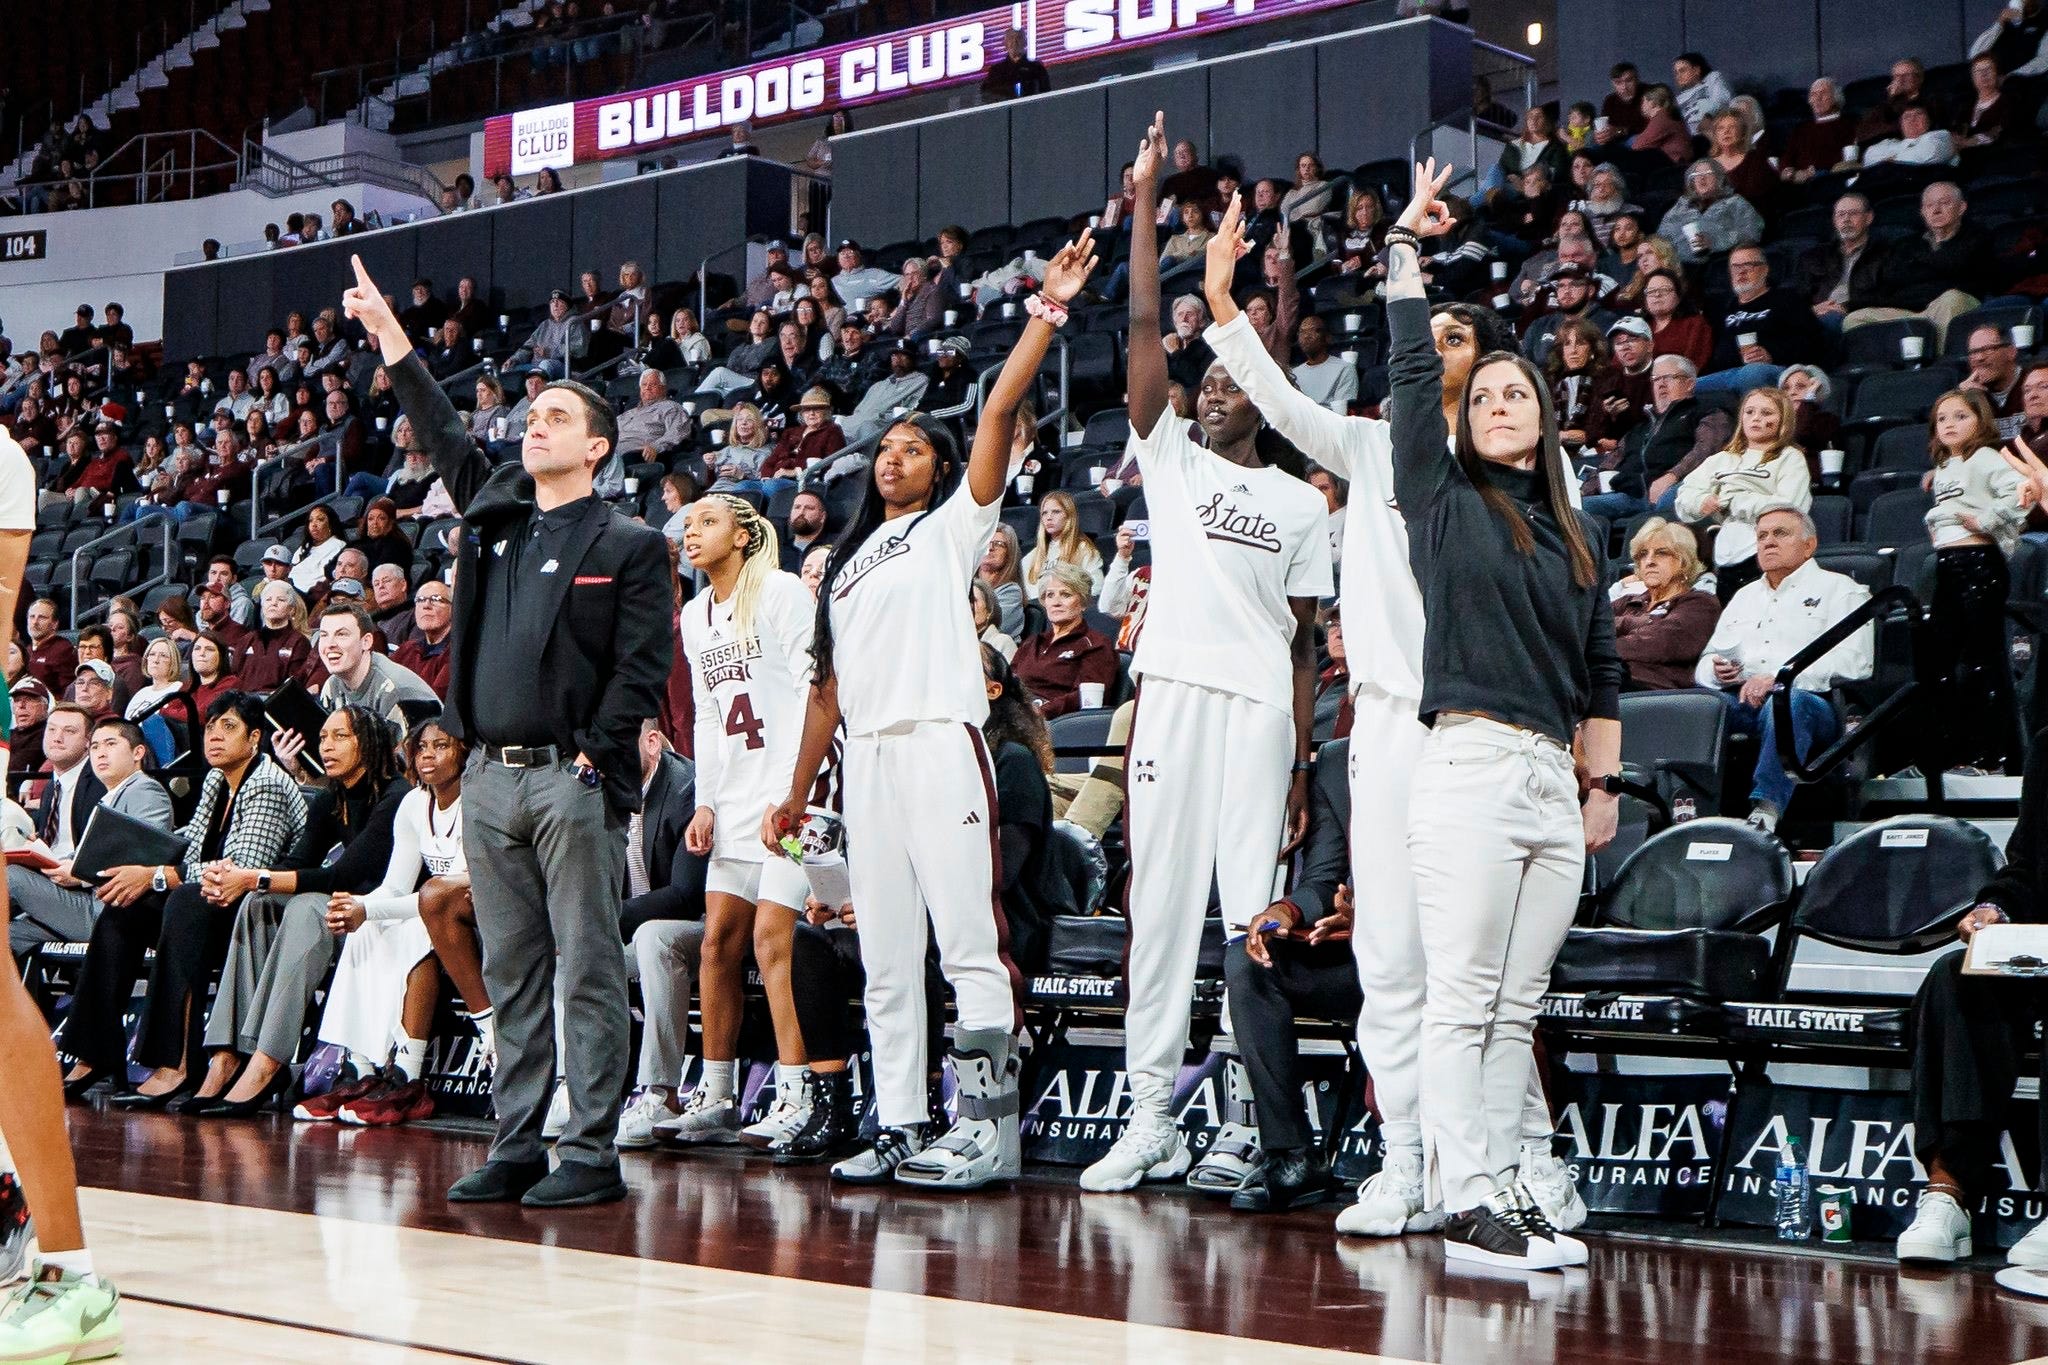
pixel 2008 950
pixel 112 839
pixel 291 707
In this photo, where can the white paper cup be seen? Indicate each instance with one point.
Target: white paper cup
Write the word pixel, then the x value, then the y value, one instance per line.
pixel 1601 123
pixel 1912 347
pixel 504 320
pixel 1025 483
pixel 220 495
pixel 718 436
pixel 497 428
pixel 108 511
pixel 966 291
pixel 1091 695
pixel 1852 154
pixel 170 410
pixel 476 344
pixel 1745 339
pixel 1350 357
pixel 1500 270
pixel 1095 220
pixel 1502 302
pixel 1831 462
pixel 1110 486
pixel 632 485
pixel 1009 310
pixel 691 407
pixel 1607 480
pixel 1353 321
pixel 2023 336
pixel 952 316
pixel 383 422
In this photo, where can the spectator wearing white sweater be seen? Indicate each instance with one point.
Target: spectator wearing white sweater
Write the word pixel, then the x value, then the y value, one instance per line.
pixel 1759 468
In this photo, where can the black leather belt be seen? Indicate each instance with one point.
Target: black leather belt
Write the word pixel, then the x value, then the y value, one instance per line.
pixel 513 756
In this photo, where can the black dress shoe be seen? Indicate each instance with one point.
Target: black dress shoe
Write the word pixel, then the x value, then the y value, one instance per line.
pixel 75 1090
pixel 135 1101
pixel 1293 1179
pixel 497 1182
pixel 220 1107
pixel 573 1185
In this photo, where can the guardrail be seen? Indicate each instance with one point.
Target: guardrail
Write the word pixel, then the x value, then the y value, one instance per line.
pixel 1912 694
pixel 269 171
pixel 80 614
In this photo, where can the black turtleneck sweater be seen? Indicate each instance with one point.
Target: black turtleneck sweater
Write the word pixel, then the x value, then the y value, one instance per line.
pixel 1506 635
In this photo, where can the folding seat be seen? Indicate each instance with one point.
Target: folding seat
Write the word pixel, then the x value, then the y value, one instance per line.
pixel 1893 889
pixel 1678 933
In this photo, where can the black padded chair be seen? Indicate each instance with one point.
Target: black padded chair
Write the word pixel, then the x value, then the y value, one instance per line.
pixel 1075 736
pixel 1834 517
pixel 1895 888
pixel 1679 932
pixel 1898 518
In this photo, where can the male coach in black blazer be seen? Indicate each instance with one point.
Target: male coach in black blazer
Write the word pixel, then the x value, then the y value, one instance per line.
pixel 563 638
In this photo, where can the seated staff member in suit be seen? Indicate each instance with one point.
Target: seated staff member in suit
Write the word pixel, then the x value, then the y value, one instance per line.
pixel 552 582
pixel 1383 634
pixel 249 811
pixel 73 789
pixel 1240 555
pixel 1518 663
pixel 380 1008
pixel 1970 1040
pixel 1294 962
pixel 281 947
pixel 895 660
pixel 51 906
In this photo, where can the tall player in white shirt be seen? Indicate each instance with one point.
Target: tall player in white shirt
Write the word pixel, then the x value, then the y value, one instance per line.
pixel 898 663
pixel 1240 555
pixel 1382 612
pixel 748 641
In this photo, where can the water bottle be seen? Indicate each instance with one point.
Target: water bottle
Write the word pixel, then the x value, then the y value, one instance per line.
pixel 1793 1214
pixel 1682 809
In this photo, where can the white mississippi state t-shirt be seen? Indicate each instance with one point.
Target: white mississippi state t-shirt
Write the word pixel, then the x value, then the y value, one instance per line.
pixel 903 644
pixel 751 696
pixel 1230 545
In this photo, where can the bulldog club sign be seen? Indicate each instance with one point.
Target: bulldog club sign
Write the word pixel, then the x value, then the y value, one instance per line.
pixel 811 84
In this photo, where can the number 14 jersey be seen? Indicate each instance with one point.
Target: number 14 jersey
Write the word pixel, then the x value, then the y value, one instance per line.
pixel 751 696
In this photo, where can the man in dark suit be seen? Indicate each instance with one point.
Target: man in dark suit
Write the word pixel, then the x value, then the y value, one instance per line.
pixel 563 640
pixel 1296 962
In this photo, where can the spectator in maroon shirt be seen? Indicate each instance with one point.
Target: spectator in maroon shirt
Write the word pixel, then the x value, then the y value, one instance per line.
pixel 1816 145
pixel 278 647
pixel 1623 108
pixel 216 617
pixel 426 652
pixel 1663 131
pixel 227 470
pixel 812 437
pixel 1056 663
pixel 1662 623
pixel 51 658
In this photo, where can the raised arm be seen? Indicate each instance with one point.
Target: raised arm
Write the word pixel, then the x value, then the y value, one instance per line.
pixel 435 423
pixel 988 466
pixel 1146 381
pixel 1423 465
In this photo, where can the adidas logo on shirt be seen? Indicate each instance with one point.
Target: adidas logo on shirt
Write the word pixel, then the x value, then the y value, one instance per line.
pixel 973 818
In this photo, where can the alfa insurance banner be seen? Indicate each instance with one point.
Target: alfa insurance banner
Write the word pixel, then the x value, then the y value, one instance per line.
pixel 813 83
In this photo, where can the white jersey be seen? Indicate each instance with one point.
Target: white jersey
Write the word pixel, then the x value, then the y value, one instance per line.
pixel 17 486
pixel 903 644
pixel 751 697
pixel 424 840
pixel 1381 603
pixel 1230 546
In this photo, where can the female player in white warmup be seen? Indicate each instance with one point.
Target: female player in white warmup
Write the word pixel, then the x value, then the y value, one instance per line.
pixel 1382 612
pixel 897 661
pixel 748 641
pixel 1518 661
pixel 1240 554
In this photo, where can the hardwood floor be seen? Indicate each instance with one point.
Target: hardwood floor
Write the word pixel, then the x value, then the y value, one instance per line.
pixel 194 1218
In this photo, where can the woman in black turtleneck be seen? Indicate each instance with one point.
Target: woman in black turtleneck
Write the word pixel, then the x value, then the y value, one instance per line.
pixel 1518 663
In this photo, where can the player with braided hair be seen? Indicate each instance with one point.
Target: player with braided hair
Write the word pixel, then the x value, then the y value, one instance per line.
pixel 748 641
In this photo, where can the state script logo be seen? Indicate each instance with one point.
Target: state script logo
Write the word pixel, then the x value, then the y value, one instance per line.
pixel 1238 526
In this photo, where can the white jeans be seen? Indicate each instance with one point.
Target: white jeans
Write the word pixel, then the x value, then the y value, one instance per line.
pixel 1499 854
pixel 1386 746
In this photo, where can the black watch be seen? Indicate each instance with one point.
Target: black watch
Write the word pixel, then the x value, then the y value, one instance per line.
pixel 1614 784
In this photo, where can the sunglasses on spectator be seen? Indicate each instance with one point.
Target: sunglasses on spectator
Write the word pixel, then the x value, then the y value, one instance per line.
pixel 1993 349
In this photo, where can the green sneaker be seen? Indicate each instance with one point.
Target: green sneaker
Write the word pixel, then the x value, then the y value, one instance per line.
pixel 52 1322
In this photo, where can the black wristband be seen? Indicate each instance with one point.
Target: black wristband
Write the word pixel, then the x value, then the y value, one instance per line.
pixel 1400 235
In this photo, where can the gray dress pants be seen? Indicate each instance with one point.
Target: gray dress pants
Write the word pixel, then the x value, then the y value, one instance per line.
pixel 43 912
pixel 278 954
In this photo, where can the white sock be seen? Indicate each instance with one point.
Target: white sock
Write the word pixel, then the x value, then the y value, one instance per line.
pixel 410 1056
pixel 789 1079
pixel 486 1031
pixel 77 1263
pixel 363 1063
pixel 718 1079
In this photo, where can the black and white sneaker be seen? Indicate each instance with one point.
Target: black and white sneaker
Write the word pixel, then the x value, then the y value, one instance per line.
pixel 1498 1233
pixel 1570 1250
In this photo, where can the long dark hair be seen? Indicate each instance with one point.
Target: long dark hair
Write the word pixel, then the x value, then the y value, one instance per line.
pixel 947 468
pixel 1012 719
pixel 1549 460
pixel 377 745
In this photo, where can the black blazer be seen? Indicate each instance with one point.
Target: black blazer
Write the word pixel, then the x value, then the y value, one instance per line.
pixel 606 663
pixel 1326 852
pixel 85 795
pixel 675 876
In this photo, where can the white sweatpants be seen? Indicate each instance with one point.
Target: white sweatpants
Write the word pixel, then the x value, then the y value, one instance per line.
pixel 368 995
pixel 1386 938
pixel 920 838
pixel 1205 795
pixel 1499 852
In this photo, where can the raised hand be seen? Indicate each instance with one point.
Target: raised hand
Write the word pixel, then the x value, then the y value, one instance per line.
pixel 1070 268
pixel 1151 153
pixel 2029 467
pixel 1224 251
pixel 1427 215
